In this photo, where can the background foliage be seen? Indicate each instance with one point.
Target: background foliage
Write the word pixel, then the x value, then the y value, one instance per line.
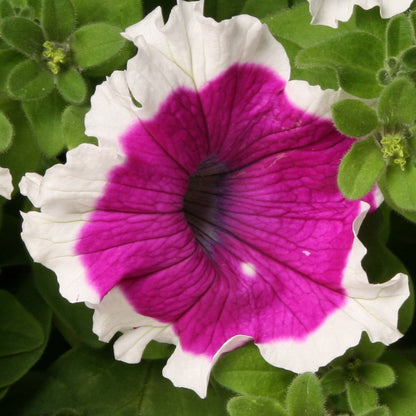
pixel 52 55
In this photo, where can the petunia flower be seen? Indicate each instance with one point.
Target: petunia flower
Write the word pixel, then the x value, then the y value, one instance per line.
pixel 209 213
pixel 6 186
pixel 330 12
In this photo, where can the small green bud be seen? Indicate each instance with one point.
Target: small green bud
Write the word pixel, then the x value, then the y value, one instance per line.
pixel 55 57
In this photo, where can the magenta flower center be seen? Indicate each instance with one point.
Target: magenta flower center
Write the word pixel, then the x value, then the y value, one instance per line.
pixel 225 217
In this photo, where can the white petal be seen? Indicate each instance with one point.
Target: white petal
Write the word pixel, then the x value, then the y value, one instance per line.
pixel 329 12
pixel 192 371
pixel 190 50
pixel 312 98
pixel 66 195
pixel 370 308
pixel 112 111
pixel 6 186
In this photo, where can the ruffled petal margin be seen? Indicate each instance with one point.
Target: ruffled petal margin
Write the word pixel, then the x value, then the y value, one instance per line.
pixel 330 12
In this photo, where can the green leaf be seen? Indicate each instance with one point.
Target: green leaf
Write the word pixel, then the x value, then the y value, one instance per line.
pixel 19 331
pixel 246 372
pixel 28 81
pixel 15 365
pixel 24 154
pixel 333 382
pixel 281 25
pixel 223 9
pixel 96 43
pixel 121 13
pixel 75 320
pixel 118 61
pixel 360 168
pixel 356 57
pixel 376 374
pixel 157 351
pixel 377 411
pixel 367 350
pixel 6 9
pixel 22 34
pixel 58 19
pixel 354 118
pixel 9 58
pixel 72 86
pixel 361 397
pixel 399 35
pixel 44 116
pixel 401 186
pixel 6 132
pixel 409 57
pixel 263 8
pixel 93 383
pixel 304 396
pixel 370 21
pixel 397 103
pixel 254 406
pixel 73 126
pixel 401 396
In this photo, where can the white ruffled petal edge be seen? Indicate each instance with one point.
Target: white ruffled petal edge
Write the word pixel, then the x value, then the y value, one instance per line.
pixel 330 12
pixel 112 112
pixel 6 186
pixel 184 369
pixel 67 195
pixel 190 50
pixel 368 307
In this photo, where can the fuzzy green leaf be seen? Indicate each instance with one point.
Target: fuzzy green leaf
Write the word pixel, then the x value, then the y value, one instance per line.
pixel 122 13
pixel 354 118
pixel 304 396
pixel 246 372
pixel 6 132
pixel 399 35
pixel 96 43
pixel 360 168
pixel 6 9
pixel 377 411
pixel 116 62
pixel 356 56
pixel 401 396
pixel 254 406
pixel 72 86
pixel 23 155
pixel 401 186
pixel 370 21
pixel 333 382
pixel 44 116
pixel 409 57
pixel 9 58
pixel 397 103
pixel 28 81
pixel 361 397
pixel 376 374
pixel 73 126
pixel 22 34
pixel 58 19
